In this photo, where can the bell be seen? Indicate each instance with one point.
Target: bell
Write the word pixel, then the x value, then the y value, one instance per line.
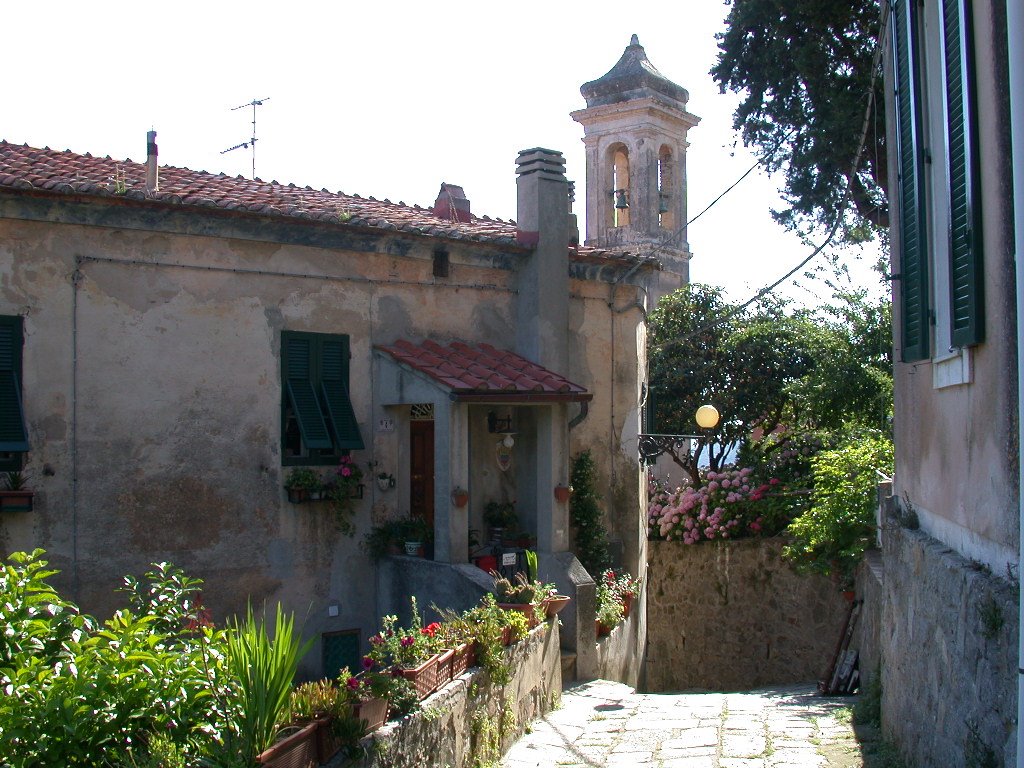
pixel 662 204
pixel 620 199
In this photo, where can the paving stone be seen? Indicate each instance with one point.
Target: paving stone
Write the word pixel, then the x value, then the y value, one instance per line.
pixel 607 725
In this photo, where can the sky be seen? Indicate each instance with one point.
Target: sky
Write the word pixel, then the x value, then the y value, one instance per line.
pixel 387 99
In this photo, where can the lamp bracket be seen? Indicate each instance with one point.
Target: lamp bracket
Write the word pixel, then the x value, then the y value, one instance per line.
pixel 653 446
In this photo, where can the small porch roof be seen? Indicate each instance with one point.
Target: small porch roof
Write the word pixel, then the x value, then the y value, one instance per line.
pixel 480 373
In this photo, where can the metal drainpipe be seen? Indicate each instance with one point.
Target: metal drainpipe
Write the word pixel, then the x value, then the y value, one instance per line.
pixel 1015 47
pixel 76 279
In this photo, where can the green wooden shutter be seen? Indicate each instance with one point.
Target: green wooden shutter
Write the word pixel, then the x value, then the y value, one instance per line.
pixel 13 435
pixel 965 252
pixel 334 386
pixel 651 411
pixel 298 365
pixel 914 277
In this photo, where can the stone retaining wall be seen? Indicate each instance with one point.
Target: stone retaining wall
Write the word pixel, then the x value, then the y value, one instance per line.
pixel 949 655
pixel 734 616
pixel 465 721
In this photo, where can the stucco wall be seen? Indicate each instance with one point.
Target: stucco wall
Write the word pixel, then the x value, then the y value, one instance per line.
pixel 956 446
pixel 949 655
pixel 152 396
pixel 734 616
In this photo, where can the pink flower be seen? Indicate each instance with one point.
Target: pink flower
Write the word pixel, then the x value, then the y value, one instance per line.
pixel 407 641
pixel 725 483
pixel 367 662
pixel 353 684
pixel 774 481
pixel 345 471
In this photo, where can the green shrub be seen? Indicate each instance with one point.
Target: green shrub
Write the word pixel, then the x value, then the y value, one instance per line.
pixel 586 517
pixel 152 670
pixel 831 536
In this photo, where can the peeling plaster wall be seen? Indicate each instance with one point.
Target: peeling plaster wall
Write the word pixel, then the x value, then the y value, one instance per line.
pixel 174 402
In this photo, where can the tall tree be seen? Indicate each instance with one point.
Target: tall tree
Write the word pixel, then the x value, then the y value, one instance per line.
pixel 806 69
pixel 765 367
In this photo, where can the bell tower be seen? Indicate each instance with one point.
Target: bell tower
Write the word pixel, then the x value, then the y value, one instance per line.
pixel 634 128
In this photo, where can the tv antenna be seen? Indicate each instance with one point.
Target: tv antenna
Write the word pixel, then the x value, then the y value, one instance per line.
pixel 251 143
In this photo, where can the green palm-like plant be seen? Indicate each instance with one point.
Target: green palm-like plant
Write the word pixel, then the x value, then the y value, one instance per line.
pixel 262 670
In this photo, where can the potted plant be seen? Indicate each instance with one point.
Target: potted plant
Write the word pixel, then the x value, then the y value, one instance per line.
pixel 500 515
pixel 385 481
pixel 623 586
pixel 16 496
pixel 417 536
pixel 345 487
pixel 301 483
pixel 609 609
pixel 562 493
pixel 460 497
pixel 412 651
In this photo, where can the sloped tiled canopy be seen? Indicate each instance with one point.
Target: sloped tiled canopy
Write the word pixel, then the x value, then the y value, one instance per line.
pixel 482 373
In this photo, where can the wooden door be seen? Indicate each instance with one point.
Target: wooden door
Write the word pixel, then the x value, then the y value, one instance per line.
pixel 421 470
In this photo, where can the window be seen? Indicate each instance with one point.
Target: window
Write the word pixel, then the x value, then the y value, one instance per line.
pixel 13 435
pixel 942 305
pixel 317 420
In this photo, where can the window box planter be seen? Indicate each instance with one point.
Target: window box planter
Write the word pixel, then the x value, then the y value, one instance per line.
pixel 423 677
pixel 445 661
pixel 373 712
pixel 298 495
pixel 298 750
pixel 327 743
pixel 465 657
pixel 16 501
pixel 602 630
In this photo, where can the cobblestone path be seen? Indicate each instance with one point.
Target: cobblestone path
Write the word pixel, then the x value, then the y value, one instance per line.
pixel 606 725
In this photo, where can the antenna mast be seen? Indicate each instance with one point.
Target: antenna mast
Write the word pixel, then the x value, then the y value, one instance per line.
pixel 251 143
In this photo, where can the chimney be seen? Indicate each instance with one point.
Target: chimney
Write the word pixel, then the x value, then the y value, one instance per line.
pixel 152 172
pixel 543 224
pixel 451 203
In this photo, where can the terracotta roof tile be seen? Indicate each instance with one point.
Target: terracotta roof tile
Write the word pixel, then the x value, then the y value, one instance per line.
pixel 484 372
pixel 68 173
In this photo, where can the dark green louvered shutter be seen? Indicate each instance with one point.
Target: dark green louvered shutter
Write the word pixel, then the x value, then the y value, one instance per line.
pixel 651 412
pixel 334 385
pixel 299 365
pixel 965 253
pixel 915 331
pixel 13 435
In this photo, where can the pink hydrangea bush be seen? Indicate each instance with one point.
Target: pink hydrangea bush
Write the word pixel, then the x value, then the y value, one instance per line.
pixel 726 506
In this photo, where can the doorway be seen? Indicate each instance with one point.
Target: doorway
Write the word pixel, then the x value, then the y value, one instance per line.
pixel 421 470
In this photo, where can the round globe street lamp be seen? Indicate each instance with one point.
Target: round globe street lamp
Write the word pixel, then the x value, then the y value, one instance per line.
pixel 707 417
pixel 651 446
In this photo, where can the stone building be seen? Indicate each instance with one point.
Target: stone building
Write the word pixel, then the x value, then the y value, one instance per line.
pixel 176 342
pixel 949 579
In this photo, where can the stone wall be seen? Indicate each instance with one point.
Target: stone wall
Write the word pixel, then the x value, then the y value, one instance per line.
pixel 461 725
pixel 734 616
pixel 949 655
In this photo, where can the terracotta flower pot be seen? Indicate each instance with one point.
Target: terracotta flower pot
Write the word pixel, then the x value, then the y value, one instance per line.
pixel 16 501
pixel 460 498
pixel 601 629
pixel 562 493
pixel 554 604
pixel 627 604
